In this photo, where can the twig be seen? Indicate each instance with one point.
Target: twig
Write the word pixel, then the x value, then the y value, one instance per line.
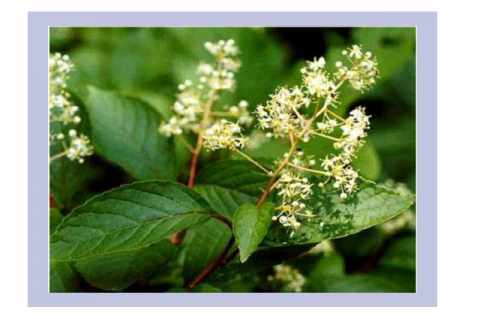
pixel 218 262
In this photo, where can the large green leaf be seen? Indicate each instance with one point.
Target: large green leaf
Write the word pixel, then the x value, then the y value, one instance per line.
pixel 117 271
pixel 336 218
pixel 228 184
pixel 128 217
pixel 64 277
pixel 125 133
pixel 202 245
pixel 250 225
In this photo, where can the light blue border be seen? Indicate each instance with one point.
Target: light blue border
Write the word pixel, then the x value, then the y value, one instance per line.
pixel 38 196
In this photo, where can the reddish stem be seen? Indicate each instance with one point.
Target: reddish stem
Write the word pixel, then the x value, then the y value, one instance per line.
pixel 218 262
pixel 193 169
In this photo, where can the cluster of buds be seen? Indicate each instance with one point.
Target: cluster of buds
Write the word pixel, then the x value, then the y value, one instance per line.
pixel 287 278
pixel 63 112
pixel 224 134
pixel 194 102
pixel 363 71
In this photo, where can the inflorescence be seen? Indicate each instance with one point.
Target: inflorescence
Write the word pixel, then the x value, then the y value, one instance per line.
pixel 193 109
pixel 299 113
pixel 285 116
pixel 287 278
pixel 75 146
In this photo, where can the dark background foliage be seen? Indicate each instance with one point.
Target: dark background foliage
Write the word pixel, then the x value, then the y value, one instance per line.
pixel 149 63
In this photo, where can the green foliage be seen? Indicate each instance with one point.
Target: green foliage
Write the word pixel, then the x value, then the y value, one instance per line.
pixel 260 260
pixel 55 219
pixel 201 246
pixel 64 277
pixel 199 288
pixel 125 83
pixel 400 254
pixel 129 217
pixel 125 133
pixel 250 225
pixel 117 271
pixel 336 218
pixel 228 184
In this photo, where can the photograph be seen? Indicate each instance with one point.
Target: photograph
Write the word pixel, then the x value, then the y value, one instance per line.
pixel 232 159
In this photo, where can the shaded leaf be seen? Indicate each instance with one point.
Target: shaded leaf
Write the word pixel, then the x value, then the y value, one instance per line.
pixel 125 133
pixel 262 259
pixel 202 245
pixel 228 184
pixel 117 271
pixel 400 254
pixel 250 225
pixel 55 219
pixel 367 283
pixel 64 277
pixel 128 217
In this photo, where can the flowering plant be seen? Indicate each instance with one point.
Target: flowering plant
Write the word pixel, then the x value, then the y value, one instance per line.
pixel 202 200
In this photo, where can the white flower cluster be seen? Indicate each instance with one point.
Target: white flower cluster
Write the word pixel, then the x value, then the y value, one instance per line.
pixel 318 82
pixel 60 106
pixel 294 190
pixel 285 115
pixel 63 114
pixel 187 108
pixel 79 147
pixel 345 177
pixel 363 72
pixel 194 100
pixel 289 278
pixel 338 167
pixel 224 134
pixel 354 131
pixel 221 77
pixel 280 113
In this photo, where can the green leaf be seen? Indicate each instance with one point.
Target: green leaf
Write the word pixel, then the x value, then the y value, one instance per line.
pixel 250 225
pixel 117 271
pixel 125 133
pixel 55 219
pixel 228 184
pixel 336 218
pixel 64 277
pixel 202 245
pixel 400 254
pixel 68 177
pixel 368 283
pixel 128 217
